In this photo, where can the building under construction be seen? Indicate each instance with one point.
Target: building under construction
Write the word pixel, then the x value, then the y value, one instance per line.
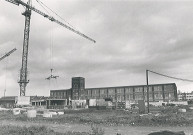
pixel 157 92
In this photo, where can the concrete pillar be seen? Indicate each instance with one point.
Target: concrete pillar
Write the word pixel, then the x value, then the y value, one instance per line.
pixel 124 94
pixel 116 94
pixel 143 94
pixel 49 104
pixel 153 94
pixel 133 93
pixel 99 93
pixel 107 92
pixel 163 93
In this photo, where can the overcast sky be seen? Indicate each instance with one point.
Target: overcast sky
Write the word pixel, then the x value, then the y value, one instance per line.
pixel 131 36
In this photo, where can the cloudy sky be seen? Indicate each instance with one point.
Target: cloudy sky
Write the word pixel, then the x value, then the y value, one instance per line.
pixel 131 36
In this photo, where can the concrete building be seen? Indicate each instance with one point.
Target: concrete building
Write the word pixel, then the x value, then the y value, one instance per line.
pixel 12 101
pixel 157 92
pixel 8 101
pixel 185 96
pixel 39 101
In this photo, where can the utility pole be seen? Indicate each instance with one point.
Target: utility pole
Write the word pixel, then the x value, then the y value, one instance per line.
pixel 147 91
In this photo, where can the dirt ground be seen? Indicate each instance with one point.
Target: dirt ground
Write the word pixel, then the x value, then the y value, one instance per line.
pixel 112 122
pixel 109 130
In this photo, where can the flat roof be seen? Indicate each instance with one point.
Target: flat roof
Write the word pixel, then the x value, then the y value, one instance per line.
pixel 56 98
pixel 36 98
pixel 61 90
pixel 78 78
pixel 8 98
pixel 119 87
pixel 132 86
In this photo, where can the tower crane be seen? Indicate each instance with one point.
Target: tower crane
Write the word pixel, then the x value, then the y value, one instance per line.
pixel 7 54
pixel 23 72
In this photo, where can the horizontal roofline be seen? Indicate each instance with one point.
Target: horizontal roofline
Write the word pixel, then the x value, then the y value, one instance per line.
pixel 61 90
pixel 132 86
pixel 78 77
pixel 118 86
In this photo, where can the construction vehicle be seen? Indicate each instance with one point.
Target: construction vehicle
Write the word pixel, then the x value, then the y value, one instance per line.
pixel 23 72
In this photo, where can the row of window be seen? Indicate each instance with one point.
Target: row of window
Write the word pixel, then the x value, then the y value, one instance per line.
pixel 98 92
pixel 57 94
pixel 189 96
pixel 126 97
pixel 112 91
pixel 126 92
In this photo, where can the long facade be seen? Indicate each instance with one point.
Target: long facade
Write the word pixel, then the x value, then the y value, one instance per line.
pixel 185 96
pixel 157 92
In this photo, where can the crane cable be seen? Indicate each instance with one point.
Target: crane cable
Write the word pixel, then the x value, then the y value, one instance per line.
pixel 51 46
pixel 52 84
pixel 43 7
pixel 51 37
pixel 176 78
pixel 55 13
pixel 51 33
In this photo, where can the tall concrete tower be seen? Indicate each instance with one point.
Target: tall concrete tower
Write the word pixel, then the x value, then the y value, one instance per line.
pixel 78 88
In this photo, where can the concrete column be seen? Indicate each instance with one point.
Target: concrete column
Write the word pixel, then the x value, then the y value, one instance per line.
pixel 133 93
pixel 49 104
pixel 163 93
pixel 99 93
pixel 116 94
pixel 124 94
pixel 143 94
pixel 107 92
pixel 153 95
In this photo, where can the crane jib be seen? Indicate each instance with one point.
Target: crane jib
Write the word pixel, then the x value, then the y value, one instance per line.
pixel 17 2
pixel 7 54
pixel 23 72
pixel 13 2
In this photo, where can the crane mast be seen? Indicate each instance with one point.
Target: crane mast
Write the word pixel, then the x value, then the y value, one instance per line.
pixel 23 72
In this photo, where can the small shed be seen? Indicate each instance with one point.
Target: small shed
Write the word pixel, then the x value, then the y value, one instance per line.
pixel 8 101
